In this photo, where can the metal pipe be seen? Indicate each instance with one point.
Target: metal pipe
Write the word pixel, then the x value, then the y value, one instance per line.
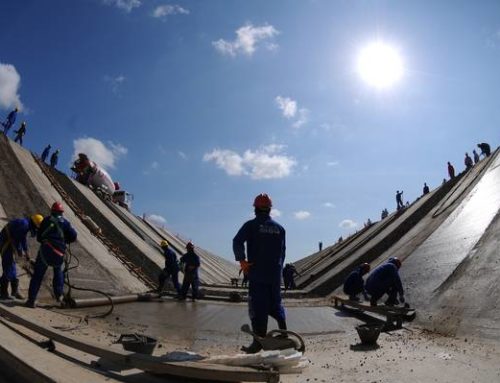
pixel 93 302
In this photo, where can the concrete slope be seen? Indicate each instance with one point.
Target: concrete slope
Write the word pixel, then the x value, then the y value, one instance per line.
pixel 443 259
pixel 28 191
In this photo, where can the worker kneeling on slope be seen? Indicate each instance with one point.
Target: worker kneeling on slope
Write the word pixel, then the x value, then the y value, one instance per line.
pixel 354 284
pixel 385 280
pixel 171 269
pixel 265 240
pixel 13 239
pixel 191 262
pixel 54 234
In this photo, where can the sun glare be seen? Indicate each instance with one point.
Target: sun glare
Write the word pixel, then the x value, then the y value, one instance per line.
pixel 380 65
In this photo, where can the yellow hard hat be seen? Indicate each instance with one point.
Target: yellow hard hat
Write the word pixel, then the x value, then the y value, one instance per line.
pixel 37 219
pixel 164 243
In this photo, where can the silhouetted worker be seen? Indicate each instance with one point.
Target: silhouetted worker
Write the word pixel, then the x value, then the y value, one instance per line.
pixel 45 153
pixel 320 245
pixel 385 280
pixel 289 273
pixel 9 122
pixel 476 156
pixel 354 283
pixel 171 269
pixel 385 213
pixel 192 263
pixel 399 199
pixel 263 262
pixel 13 241
pixel 20 133
pixel 451 171
pixel 485 149
pixel 54 234
pixel 468 162
pixel 54 158
pixel 426 189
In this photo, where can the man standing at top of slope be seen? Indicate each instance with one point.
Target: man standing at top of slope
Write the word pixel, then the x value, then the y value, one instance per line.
pixel 11 119
pixel 263 262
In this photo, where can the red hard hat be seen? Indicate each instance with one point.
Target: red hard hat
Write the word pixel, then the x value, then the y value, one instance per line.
pixel 57 207
pixel 395 261
pixel 189 246
pixel 262 201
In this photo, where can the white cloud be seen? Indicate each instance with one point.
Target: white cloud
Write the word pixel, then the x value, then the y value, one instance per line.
pixel 98 152
pixel 182 155
pixel 115 82
pixel 247 39
pixel 329 205
pixel 287 106
pixel 266 162
pixel 156 219
pixel 302 119
pixel 348 224
pixel 332 163
pixel 162 11
pixel 126 5
pixel 155 165
pixel 302 214
pixel 10 81
pixel 275 212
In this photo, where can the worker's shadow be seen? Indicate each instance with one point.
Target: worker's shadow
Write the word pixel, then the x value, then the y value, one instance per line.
pixel 364 347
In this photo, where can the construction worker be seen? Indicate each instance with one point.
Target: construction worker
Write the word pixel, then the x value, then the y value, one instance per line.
pixel 54 234
pixel 425 189
pixel 20 133
pixel 354 283
pixel 485 149
pixel 54 158
pixel 9 122
pixel 476 156
pixel 451 170
pixel 171 268
pixel 13 239
pixel 399 199
pixel 385 280
pixel 289 273
pixel 45 152
pixel 191 262
pixel 384 214
pixel 263 262
pixel 468 162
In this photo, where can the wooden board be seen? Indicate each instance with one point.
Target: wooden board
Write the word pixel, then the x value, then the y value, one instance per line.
pixel 195 370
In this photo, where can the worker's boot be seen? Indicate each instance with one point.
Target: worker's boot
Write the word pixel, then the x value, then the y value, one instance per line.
pixel 255 346
pixel 14 284
pixel 4 289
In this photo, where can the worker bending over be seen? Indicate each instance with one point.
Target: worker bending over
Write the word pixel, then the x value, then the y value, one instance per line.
pixel 54 234
pixel 385 280
pixel 354 283
pixel 13 240
pixel 263 262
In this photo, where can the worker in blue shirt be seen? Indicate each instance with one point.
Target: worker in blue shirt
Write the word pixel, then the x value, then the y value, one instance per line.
pixel 354 283
pixel 9 122
pixel 171 268
pixel 13 240
pixel 385 280
pixel 263 262
pixel 54 158
pixel 54 234
pixel 45 153
pixel 191 262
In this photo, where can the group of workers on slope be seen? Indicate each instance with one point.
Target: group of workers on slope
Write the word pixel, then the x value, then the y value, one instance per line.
pixel 54 158
pixel 384 279
pixel 189 262
pixel 468 161
pixel 53 233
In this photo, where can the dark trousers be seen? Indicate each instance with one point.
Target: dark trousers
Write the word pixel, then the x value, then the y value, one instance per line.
pixel 174 274
pixel 45 259
pixel 190 279
pixel 264 300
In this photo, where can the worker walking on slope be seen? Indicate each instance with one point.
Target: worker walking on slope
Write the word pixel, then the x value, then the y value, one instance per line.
pixel 354 283
pixel 54 234
pixel 485 149
pixel 13 240
pixel 451 170
pixel 476 156
pixel 45 153
pixel 192 263
pixel 171 269
pixel 20 133
pixel 9 122
pixel 385 280
pixel 54 158
pixel 468 162
pixel 399 199
pixel 265 243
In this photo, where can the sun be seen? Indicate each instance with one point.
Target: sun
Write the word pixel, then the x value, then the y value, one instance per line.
pixel 380 65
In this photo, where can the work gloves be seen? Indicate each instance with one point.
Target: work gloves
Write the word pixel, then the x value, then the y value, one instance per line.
pixel 245 266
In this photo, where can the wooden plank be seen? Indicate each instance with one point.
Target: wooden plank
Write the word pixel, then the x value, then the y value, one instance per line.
pixel 382 310
pixel 196 370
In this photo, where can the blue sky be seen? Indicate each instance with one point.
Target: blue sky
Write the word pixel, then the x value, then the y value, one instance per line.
pixel 197 106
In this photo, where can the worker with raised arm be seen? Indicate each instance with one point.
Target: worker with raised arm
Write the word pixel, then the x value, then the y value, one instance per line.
pixel 171 269
pixel 13 240
pixel 263 262
pixel 54 234
pixel 485 149
pixel 385 280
